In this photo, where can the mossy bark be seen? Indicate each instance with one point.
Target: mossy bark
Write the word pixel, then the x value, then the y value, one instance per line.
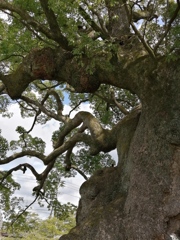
pixel 139 199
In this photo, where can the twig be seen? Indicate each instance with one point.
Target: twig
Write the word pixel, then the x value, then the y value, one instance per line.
pixel 145 44
pixel 85 100
pixel 24 210
pixel 92 23
pixel 79 171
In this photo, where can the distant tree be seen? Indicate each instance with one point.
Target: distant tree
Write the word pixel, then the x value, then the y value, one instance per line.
pixel 35 228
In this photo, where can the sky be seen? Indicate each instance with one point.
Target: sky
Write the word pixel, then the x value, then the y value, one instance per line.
pixel 70 193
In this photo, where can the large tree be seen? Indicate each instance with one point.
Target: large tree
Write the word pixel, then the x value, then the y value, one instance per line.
pixel 114 54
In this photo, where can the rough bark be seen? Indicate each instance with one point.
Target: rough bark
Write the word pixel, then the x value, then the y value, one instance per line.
pixel 139 199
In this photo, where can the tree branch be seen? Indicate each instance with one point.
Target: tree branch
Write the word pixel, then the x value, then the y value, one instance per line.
pixel 14 156
pixel 82 101
pixel 97 138
pixel 18 216
pixel 92 23
pixel 121 108
pixel 168 27
pixel 40 177
pixel 146 46
pixel 79 171
pixel 53 24
pixel 49 113
pixel 23 167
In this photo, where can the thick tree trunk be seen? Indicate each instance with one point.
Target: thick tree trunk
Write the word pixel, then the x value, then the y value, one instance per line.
pixel 140 198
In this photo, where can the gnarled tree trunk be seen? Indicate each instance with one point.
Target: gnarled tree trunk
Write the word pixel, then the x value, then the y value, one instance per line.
pixel 139 199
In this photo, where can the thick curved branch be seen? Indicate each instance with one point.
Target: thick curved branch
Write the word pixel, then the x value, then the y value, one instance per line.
pixel 23 167
pixel 82 117
pixel 97 140
pixel 59 65
pixel 78 137
pixel 67 160
pixel 23 154
pixel 46 63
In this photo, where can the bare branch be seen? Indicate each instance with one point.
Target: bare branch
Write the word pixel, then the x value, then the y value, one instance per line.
pixel 14 156
pixel 59 106
pixel 42 177
pixel 79 171
pixel 34 122
pixel 82 101
pixel 18 216
pixel 23 167
pixel 145 44
pixel 101 21
pixel 113 101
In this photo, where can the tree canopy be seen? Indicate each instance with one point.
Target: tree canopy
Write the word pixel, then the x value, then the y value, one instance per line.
pixel 106 53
